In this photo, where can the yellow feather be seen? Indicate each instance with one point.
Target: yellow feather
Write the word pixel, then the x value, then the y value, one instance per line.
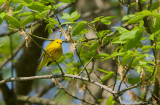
pixel 54 49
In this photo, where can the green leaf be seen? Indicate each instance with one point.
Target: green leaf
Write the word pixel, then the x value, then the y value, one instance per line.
pixel 79 28
pixel 136 19
pixel 128 35
pixel 110 17
pixel 104 71
pixel 42 15
pixel 156 33
pixel 16 12
pixel 138 58
pixel 28 1
pixel 53 21
pixel 141 24
pixel 75 15
pixel 65 16
pixel 13 21
pixel 105 40
pixel 114 55
pixel 36 6
pixel 50 31
pixel 138 69
pixel 25 14
pixel 157 47
pixel 56 6
pixel 28 20
pixel 99 100
pixel 69 54
pixel 104 55
pixel 67 23
pixel 125 35
pixel 145 12
pixel 47 1
pixel 146 47
pixel 94 46
pixel 16 1
pixel 96 19
pixel 117 41
pixel 133 79
pixel 2 15
pixel 102 33
pixel 109 101
pixel 126 59
pixel 68 1
pixel 134 42
pixel 151 37
pixel 127 17
pixel 121 30
pixel 20 6
pixel 143 63
pixel 155 24
pixel 51 24
pixel 107 76
pixel 106 21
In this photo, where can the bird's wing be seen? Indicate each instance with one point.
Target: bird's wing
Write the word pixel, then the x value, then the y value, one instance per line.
pixel 46 50
pixel 42 55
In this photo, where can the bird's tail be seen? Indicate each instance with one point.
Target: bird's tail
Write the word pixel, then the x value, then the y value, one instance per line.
pixel 41 64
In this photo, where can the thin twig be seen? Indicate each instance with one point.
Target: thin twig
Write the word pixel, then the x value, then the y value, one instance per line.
pixel 82 64
pixel 14 54
pixel 119 87
pixel 125 75
pixel 91 94
pixel 11 51
pixel 88 63
pixel 76 97
pixel 36 100
pixel 115 81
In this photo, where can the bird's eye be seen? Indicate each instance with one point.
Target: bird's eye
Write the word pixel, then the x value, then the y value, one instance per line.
pixel 57 42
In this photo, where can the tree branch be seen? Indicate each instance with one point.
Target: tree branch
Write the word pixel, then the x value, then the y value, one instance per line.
pixel 36 100
pixel 57 76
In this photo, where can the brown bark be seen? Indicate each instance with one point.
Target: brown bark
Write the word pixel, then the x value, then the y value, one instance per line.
pixel 28 61
pixel 8 95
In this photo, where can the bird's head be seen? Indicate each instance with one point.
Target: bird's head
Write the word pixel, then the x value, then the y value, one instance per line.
pixel 58 42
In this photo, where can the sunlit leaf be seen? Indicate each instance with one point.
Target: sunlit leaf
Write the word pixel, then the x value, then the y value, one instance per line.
pixel 28 20
pixel 126 59
pixel 68 1
pixel 13 21
pixel 80 26
pixel 109 101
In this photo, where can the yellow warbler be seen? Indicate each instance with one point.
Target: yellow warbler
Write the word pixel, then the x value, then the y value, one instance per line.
pixel 54 49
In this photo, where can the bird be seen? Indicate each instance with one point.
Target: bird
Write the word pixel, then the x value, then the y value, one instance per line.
pixel 54 49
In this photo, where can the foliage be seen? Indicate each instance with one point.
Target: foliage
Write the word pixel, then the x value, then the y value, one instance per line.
pixel 137 48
